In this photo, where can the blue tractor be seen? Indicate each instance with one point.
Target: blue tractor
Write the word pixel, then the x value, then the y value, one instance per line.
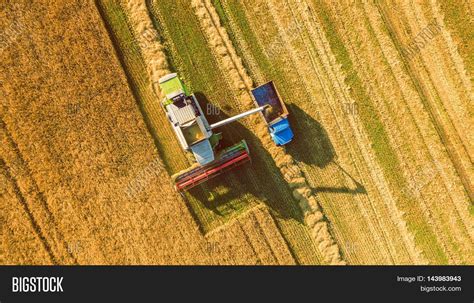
pixel 276 116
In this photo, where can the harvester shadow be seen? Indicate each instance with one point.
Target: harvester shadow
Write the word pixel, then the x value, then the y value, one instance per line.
pixel 258 179
pixel 312 146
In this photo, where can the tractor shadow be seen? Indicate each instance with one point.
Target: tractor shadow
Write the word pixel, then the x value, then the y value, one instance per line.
pixel 224 194
pixel 312 146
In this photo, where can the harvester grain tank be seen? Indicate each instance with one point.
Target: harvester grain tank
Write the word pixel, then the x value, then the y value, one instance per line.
pixel 196 135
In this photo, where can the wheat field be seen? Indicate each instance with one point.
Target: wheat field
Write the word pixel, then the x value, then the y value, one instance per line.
pixel 380 100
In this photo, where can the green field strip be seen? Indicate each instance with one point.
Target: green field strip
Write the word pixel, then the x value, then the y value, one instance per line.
pixel 458 18
pixel 386 156
pixel 436 120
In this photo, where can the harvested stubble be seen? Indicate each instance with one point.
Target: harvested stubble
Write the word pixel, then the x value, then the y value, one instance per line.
pixel 242 83
pixel 218 249
pixel 192 57
pixel 303 62
pixel 404 104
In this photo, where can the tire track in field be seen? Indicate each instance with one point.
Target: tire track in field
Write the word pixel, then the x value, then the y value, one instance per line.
pixel 456 216
pixel 398 103
pixel 332 114
pixel 248 246
pixel 276 241
pixel 357 24
pixel 257 239
pixel 272 241
pixel 40 216
pixel 381 203
pixel 5 170
pixel 241 82
pixel 258 232
pixel 447 93
pixel 225 251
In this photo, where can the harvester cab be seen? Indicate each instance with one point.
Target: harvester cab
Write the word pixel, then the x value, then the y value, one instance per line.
pixel 187 119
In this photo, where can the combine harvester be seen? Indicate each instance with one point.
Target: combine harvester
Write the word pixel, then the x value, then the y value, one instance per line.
pixel 196 135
